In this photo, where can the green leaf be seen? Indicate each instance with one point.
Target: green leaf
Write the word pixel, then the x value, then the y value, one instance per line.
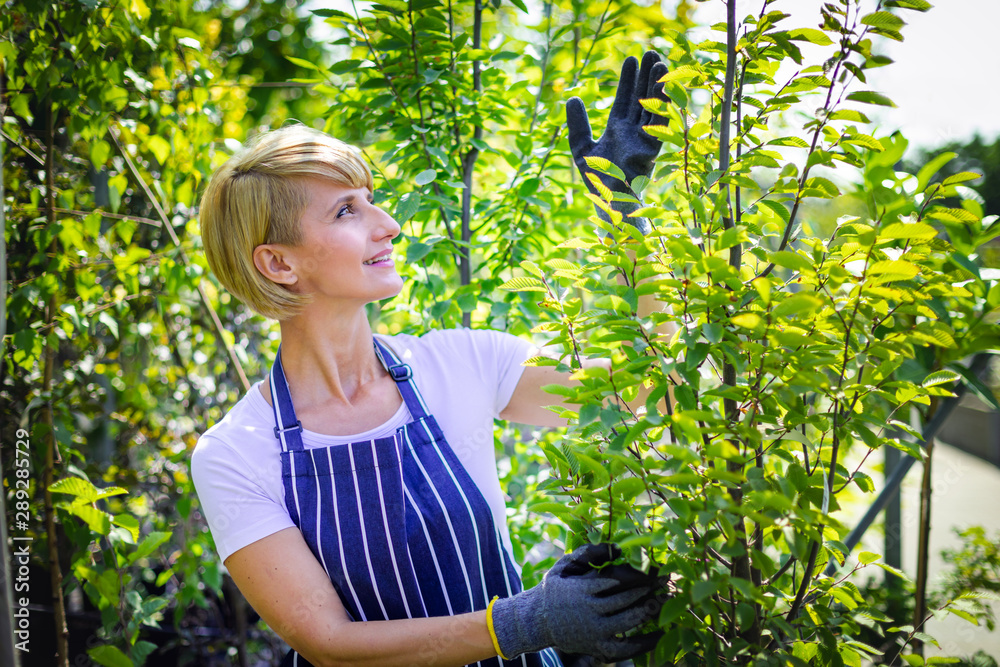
pixel 731 237
pixel 897 269
pixel 531 268
pixel 505 55
pixel 594 467
pixel 978 387
pixel 143 649
pixel 918 5
pixel 76 486
pixel 108 585
pixel 928 170
pixel 628 488
pixel 961 613
pixel 96 520
pixel 159 147
pixel 425 177
pixel 849 114
pixel 305 64
pixel 149 544
pixel 523 284
pixel 803 651
pixel 883 20
pixel 108 320
pixel 961 177
pixel 975 595
pixel 792 260
pixel 329 13
pixel 416 251
pixel 892 570
pixel 864 140
pixel 640 183
pixel 747 320
pixel 811 35
pixel 702 590
pixel 868 557
pixel 911 230
pixel 871 97
pixel 605 166
pixel 777 208
pixel 801 303
pixel 940 377
pixel 871 650
pixel 797 142
pixel 406 206
pixel 129 523
pixel 824 186
pixel 100 150
pixel 109 656
pixel 850 657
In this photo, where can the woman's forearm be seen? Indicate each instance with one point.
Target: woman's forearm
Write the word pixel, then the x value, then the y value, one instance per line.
pixel 445 641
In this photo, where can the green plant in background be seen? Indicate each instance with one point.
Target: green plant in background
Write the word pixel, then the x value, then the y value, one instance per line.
pixel 112 357
pixel 975 569
pixel 797 345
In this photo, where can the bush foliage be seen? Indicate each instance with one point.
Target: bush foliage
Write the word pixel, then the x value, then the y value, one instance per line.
pixel 819 296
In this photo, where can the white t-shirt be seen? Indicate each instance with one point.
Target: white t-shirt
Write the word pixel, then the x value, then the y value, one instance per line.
pixel 466 378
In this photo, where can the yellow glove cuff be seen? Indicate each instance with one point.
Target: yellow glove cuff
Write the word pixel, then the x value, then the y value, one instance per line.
pixel 489 626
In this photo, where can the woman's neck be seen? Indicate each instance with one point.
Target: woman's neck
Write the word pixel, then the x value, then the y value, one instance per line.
pixel 328 355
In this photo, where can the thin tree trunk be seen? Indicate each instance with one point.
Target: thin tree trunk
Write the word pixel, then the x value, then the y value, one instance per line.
pixel 741 564
pixel 923 548
pixel 51 454
pixel 469 166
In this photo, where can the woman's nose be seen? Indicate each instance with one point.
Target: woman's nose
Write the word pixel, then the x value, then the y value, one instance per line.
pixel 386 225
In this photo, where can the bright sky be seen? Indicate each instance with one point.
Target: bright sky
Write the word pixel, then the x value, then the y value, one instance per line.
pixel 945 77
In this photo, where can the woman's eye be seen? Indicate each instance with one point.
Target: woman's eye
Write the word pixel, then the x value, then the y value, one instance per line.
pixel 344 211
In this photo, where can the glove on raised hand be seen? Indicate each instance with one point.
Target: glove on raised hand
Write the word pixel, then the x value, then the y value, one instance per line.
pixel 624 142
pixel 579 609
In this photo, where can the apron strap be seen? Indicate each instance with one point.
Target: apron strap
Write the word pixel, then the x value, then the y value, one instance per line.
pixel 289 429
pixel 403 375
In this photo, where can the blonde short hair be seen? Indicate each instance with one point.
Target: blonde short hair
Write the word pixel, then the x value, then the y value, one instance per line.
pixel 258 197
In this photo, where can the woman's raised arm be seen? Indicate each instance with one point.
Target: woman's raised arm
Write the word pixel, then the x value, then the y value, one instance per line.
pixel 283 581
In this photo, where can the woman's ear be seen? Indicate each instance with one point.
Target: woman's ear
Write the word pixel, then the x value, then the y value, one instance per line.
pixel 271 259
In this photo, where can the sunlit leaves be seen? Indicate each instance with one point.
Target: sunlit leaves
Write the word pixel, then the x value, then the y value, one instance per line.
pixel 871 97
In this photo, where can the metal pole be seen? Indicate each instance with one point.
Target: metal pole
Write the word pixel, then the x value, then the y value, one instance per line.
pixel 977 367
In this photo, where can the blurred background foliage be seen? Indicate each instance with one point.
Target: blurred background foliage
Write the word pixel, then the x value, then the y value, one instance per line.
pixel 119 348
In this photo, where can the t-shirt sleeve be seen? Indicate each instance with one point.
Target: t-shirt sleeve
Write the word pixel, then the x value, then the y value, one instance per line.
pixel 511 352
pixel 495 358
pixel 236 505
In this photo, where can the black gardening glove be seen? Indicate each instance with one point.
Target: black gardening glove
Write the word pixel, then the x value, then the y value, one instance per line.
pixel 624 142
pixel 581 609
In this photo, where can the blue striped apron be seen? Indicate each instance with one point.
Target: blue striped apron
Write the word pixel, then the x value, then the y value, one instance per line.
pixel 397 522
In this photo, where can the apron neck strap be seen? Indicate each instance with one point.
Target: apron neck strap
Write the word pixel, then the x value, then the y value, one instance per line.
pixel 403 375
pixel 288 429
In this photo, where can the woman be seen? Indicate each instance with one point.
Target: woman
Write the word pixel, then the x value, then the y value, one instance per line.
pixel 353 494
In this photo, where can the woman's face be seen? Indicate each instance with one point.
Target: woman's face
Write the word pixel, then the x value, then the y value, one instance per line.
pixel 346 252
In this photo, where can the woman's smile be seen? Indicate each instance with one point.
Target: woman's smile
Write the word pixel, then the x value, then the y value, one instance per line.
pixel 382 259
